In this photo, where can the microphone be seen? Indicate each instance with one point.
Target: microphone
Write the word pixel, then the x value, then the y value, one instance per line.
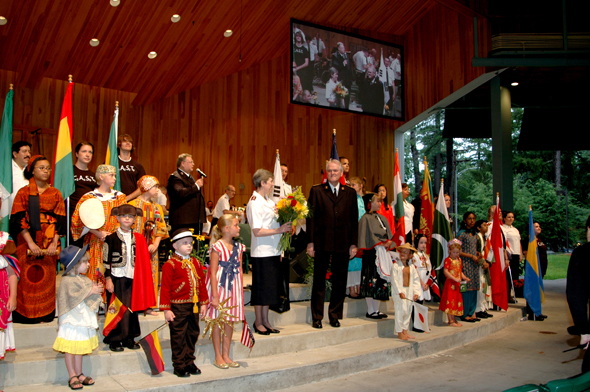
pixel 201 173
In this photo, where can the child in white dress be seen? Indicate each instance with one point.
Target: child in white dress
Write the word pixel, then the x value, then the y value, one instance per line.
pixel 78 300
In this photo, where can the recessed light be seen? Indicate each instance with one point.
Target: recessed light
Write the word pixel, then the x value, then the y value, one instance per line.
pixel 152 55
pixel 227 33
pixel 94 42
pixel 175 18
pixel 514 84
pixel 115 3
pixel 3 21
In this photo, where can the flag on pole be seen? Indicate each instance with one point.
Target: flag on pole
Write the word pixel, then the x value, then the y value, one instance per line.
pixel 420 317
pixel 112 158
pixel 441 235
pixel 278 180
pixel 114 314
pixel 247 338
pixel 498 267
pixel 433 283
pixel 399 236
pixel 153 351
pixel 534 291
pixel 333 155
pixel 427 208
pixel 63 163
pixel 6 160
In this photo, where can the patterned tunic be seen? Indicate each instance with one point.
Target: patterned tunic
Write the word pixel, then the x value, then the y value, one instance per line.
pixel 451 301
pixel 36 288
pixel 229 281
pixel 109 201
pixel 151 225
pixel 470 267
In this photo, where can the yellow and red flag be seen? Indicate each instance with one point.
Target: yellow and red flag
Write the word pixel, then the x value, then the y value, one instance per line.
pixel 114 314
pixel 63 164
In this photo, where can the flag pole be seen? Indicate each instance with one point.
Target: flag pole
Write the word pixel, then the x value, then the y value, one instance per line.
pixel 70 80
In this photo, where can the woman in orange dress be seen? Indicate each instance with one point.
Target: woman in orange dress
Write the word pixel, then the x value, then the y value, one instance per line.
pixel 37 221
pixel 151 225
pixel 106 175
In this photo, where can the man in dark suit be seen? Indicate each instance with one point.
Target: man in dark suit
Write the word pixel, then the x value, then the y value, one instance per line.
pixel 373 94
pixel 187 204
pixel 333 234
pixel 342 63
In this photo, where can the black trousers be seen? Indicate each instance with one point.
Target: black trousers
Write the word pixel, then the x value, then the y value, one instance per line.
pixel 339 275
pixel 128 327
pixel 184 333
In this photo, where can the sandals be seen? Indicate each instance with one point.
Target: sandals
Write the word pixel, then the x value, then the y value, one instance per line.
pixel 87 380
pixel 76 384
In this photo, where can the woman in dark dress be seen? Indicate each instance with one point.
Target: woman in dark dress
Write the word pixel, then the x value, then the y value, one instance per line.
pixel 84 179
pixel 468 237
pixel 373 231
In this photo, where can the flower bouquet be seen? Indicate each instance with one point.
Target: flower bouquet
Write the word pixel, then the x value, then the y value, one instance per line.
pixel 291 209
pixel 340 90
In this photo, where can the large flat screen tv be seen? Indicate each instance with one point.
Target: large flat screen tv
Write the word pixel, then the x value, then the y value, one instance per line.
pixel 347 72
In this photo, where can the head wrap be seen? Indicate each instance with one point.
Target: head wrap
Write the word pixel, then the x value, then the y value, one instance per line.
pixel 146 183
pixel 34 203
pixel 106 169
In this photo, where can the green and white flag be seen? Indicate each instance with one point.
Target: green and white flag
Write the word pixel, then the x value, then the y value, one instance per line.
pixel 441 233
pixel 6 161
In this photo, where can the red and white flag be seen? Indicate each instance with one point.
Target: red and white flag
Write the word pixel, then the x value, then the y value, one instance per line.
pixel 247 338
pixel 399 236
pixel 498 267
pixel 421 317
pixel 433 283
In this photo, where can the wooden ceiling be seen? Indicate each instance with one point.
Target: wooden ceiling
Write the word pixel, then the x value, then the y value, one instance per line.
pixel 50 38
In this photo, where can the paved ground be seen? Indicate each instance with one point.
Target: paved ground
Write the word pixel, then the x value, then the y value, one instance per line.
pixel 527 352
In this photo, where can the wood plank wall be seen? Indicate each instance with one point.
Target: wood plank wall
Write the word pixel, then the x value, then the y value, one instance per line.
pixel 233 125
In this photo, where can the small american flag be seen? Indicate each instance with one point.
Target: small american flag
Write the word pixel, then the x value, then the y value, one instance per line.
pixel 247 338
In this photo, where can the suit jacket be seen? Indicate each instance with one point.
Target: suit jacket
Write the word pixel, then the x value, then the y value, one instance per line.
pixel 344 71
pixel 373 96
pixel 334 222
pixel 186 200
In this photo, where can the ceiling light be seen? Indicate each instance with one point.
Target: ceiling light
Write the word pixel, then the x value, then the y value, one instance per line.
pixel 3 21
pixel 514 84
pixel 152 55
pixel 175 18
pixel 227 33
pixel 94 42
pixel 115 3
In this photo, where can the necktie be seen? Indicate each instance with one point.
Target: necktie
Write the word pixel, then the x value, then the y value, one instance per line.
pixel 335 192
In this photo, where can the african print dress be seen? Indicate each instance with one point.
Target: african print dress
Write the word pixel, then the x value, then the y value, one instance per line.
pixel 451 301
pixel 36 288
pixel 151 225
pixel 109 201
pixel 229 281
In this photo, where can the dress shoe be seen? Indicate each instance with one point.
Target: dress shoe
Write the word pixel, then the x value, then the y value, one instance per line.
pixel 374 315
pixel 267 332
pixel 417 330
pixel 382 315
pixel 317 324
pixel 335 323
pixel 234 365
pixel 481 315
pixel 116 347
pixel 131 345
pixel 192 369
pixel 221 365
pixel 532 317
pixel 271 330
pixel 488 315
pixel 181 373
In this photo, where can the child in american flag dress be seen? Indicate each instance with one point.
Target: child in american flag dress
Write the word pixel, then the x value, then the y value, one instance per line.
pixel 224 280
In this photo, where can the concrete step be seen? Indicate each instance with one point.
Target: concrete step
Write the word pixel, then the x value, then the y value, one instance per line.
pixel 335 356
pixel 41 364
pixel 43 335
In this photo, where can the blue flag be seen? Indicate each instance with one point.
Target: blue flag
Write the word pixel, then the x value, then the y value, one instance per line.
pixel 534 292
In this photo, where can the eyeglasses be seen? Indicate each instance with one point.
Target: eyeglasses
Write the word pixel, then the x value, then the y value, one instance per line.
pixel 44 168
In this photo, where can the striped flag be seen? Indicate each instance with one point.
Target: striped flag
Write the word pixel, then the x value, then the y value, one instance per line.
pixel 278 180
pixel 63 163
pixel 333 155
pixel 433 283
pixel 399 236
pixel 383 79
pixel 247 338
pixel 113 315
pixel 498 267
pixel 427 209
pixel 112 158
pixel 6 160
pixel 534 291
pixel 153 352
